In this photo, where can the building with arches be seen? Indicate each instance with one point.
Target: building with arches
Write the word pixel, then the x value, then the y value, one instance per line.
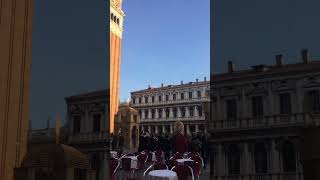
pixel 257 116
pixel 127 123
pixel 160 107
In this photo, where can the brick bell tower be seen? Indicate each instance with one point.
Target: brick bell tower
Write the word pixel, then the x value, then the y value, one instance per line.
pixel 116 28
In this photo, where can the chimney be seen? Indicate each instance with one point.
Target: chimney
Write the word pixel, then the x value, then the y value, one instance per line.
pixel 279 59
pixel 161 84
pixel 205 79
pixel 230 66
pixel 197 80
pixel 149 87
pixel 181 82
pixel 57 130
pixel 304 54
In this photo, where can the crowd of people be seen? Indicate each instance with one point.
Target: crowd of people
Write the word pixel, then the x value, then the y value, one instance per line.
pixel 172 143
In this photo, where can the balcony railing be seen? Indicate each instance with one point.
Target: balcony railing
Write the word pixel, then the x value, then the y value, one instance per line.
pixel 299 119
pixel 177 101
pixel 90 137
pixel 191 118
pixel 275 176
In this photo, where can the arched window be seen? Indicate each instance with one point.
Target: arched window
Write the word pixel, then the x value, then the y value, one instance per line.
pixel 152 113
pixel 260 157
pixel 191 111
pixel 167 112
pixel 174 112
pixel 288 157
pixel 234 160
pixel 183 111
pixel 117 20
pixel 199 110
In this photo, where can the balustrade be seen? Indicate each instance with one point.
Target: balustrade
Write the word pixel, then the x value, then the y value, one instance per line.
pixel 298 119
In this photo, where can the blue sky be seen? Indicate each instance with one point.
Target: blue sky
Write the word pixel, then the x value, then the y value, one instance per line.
pixel 165 41
pixel 253 31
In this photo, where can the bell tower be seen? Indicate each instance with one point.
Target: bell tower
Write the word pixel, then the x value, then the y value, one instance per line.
pixel 116 28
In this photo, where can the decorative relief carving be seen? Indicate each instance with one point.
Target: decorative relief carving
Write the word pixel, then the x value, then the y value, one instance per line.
pixel 311 81
pixel 256 89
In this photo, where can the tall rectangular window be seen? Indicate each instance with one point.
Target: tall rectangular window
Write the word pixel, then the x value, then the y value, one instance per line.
pixel 140 100
pixel 199 94
pixel 153 99
pixel 159 98
pixel 182 96
pixel 285 103
pixel 190 95
pixel 314 100
pixel 76 124
pixel 174 97
pixel 133 100
pixel 96 122
pixel 146 99
pixel 231 109
pixel 167 97
pixel 257 106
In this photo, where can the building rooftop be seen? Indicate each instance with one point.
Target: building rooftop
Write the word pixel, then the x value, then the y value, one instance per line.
pixel 263 71
pixel 181 85
pixel 104 92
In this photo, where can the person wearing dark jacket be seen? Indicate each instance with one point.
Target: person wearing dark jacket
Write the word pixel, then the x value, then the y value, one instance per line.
pixel 204 149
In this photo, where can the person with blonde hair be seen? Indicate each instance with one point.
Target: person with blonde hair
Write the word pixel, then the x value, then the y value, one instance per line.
pixel 179 140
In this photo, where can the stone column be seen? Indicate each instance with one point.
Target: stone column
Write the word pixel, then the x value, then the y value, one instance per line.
pixel 156 129
pixel 170 113
pixel 163 129
pixel 196 113
pixel 171 129
pixel 104 166
pixel 247 159
pixel 188 129
pixel 219 163
pixel 197 128
pixel 149 113
pixel 179 112
pixel 149 129
pixel 163 112
pixel 143 115
pixel 187 111
pixel 275 157
pixel 157 114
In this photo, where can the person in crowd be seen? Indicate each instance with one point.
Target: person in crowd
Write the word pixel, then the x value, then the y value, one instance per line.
pixel 204 149
pixel 180 143
pixel 141 141
pixel 121 141
pixel 166 146
pixel 114 142
pixel 195 144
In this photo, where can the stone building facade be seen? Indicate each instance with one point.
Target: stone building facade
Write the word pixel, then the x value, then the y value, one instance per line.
pixel 127 123
pixel 160 107
pixel 87 128
pixel 257 116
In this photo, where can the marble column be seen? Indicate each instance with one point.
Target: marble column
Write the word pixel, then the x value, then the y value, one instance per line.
pixel 197 128
pixel 149 114
pixel 179 112
pixel 171 128
pixel 275 157
pixel 170 112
